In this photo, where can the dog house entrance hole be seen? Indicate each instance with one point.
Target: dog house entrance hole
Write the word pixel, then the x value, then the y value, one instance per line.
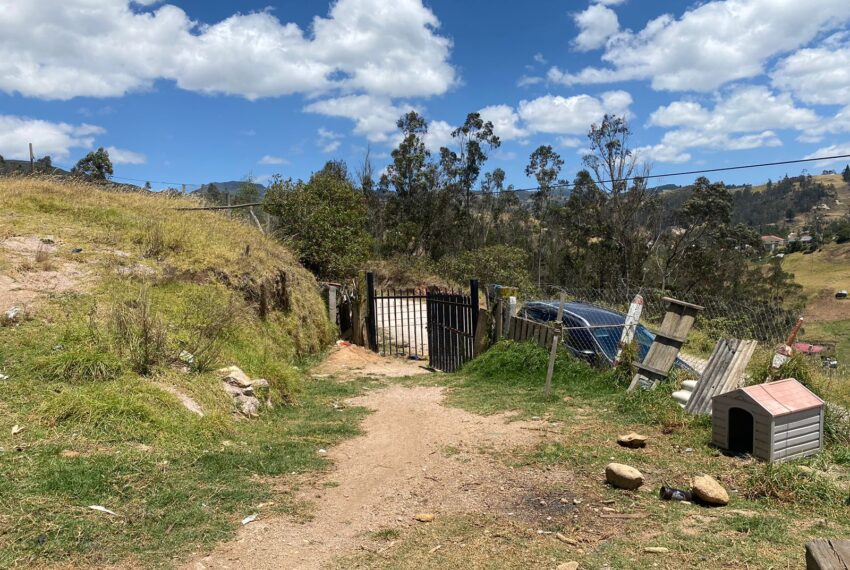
pixel 740 431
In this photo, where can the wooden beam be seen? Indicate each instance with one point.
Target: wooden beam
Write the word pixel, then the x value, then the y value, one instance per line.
pixel 235 206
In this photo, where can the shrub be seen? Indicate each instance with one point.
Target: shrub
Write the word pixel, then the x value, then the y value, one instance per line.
pixel 495 264
pixel 138 332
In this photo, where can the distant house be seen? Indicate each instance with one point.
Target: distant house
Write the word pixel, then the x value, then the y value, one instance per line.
pixel 771 242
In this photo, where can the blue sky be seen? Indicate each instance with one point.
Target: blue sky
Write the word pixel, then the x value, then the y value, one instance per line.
pixel 193 91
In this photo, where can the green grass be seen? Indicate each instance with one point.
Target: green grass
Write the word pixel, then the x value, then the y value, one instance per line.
pixel 171 496
pixel 774 509
pixel 87 370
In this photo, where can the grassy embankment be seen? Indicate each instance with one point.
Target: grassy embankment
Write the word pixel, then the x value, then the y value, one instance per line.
pixel 821 274
pixel 90 371
pixel 774 509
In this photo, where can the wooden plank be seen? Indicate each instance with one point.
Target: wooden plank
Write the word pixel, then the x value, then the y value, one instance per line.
pixel 827 555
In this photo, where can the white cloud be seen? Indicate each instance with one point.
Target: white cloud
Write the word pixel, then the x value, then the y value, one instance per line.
pixel 538 58
pixel 743 118
pixel 745 109
pixel 570 142
pixel 106 48
pixel 124 156
pixel 439 135
pixel 528 80
pixel 329 141
pixel 831 150
pixel 816 75
pixel 714 43
pixel 271 159
pixel 505 121
pixel 610 2
pixel 571 115
pixel 596 24
pixel 53 139
pixel 675 144
pixel 375 117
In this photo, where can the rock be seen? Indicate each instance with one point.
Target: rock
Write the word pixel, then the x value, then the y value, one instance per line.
pixel 623 476
pixel 13 315
pixel 708 490
pixel 656 549
pixel 4 376
pixel 633 440
pixel 571 565
pixel 16 429
pixel 70 454
pixel 260 383
pixel 424 517
pixel 248 405
pixel 234 376
pixel 186 357
pixel 564 538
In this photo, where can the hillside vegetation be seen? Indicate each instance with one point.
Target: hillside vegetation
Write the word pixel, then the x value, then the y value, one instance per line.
pixel 114 291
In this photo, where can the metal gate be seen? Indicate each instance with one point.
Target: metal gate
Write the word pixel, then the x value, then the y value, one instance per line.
pixel 433 324
pixel 452 324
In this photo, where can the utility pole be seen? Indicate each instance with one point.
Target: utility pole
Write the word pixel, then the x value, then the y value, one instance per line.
pixel 32 160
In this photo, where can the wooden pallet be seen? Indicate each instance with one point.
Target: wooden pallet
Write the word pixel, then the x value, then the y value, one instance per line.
pixel 675 327
pixel 723 373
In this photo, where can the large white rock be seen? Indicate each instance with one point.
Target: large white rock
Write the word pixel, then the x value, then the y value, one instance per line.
pixel 708 490
pixel 623 476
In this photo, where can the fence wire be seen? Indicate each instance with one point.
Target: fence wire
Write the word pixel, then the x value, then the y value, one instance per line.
pixel 768 323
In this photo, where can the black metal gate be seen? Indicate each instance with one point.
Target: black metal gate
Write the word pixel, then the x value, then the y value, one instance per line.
pixel 433 324
pixel 452 323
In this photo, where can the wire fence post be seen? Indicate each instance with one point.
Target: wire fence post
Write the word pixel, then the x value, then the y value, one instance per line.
pixel 556 339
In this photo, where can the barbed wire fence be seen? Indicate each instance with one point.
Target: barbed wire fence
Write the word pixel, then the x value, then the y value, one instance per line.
pixel 768 323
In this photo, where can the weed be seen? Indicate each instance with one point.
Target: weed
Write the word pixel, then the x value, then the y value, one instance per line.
pixel 386 534
pixel 758 527
pixel 139 332
pixel 785 482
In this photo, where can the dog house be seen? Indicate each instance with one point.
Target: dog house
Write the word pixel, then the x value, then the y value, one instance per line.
pixel 774 421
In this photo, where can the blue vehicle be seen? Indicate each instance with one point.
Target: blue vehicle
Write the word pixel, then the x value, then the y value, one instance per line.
pixel 590 332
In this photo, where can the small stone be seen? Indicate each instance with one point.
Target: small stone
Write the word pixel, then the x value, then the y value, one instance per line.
pixel 424 517
pixel 248 405
pixel 571 565
pixel 323 451
pixel 623 476
pixel 632 440
pixel 233 375
pixel 260 383
pixel 564 538
pixel 576 501
pixel 708 490
pixel 70 454
pixel 656 549
pixel 16 429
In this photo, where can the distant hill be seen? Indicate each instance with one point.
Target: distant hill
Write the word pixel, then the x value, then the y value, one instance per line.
pixel 11 166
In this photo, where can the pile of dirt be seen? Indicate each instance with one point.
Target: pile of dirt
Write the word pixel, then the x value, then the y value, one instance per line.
pixel 348 361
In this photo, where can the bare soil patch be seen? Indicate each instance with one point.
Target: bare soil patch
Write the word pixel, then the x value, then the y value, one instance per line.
pixel 34 272
pixel 825 307
pixel 417 456
pixel 348 361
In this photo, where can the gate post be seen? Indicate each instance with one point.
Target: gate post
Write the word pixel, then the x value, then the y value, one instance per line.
pixel 371 313
pixel 473 297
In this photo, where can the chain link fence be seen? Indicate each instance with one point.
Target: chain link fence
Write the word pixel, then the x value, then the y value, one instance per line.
pixel 768 323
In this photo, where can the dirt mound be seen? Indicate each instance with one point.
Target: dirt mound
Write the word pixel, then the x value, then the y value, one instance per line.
pixel 416 456
pixel 348 361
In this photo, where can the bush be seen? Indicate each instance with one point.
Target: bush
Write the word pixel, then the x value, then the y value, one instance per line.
pixel 325 220
pixel 139 333
pixel 494 264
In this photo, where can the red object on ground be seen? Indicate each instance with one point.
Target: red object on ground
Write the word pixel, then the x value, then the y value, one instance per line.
pixel 807 348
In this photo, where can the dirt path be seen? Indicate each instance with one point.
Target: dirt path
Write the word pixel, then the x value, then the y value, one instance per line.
pixel 416 456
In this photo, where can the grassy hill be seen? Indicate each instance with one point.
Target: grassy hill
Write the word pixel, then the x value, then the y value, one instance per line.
pixel 112 288
pixel 821 274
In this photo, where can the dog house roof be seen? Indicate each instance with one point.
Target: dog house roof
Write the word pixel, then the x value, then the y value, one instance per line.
pixel 783 397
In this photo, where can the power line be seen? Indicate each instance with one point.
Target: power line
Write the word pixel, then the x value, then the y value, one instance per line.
pixel 568 184
pixel 689 172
